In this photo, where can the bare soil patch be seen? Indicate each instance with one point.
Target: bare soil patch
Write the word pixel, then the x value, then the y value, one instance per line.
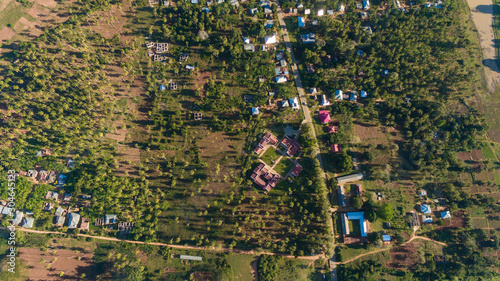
pixel 464 156
pixel 6 34
pixel 47 3
pixel 366 132
pixel 38 11
pixel 48 266
pixel 476 154
pixel 403 257
pixel 119 136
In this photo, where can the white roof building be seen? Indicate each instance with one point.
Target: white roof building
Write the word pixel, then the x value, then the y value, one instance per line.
pixel 271 39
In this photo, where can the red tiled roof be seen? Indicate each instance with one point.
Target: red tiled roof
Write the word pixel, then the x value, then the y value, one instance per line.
pixel 258 149
pixel 287 141
pixel 296 170
pixel 292 150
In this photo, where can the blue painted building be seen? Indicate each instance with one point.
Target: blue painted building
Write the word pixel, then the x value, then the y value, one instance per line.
pixel 302 22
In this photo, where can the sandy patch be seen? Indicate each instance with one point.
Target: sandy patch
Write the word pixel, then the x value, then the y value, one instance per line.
pixel 482 16
pixel 6 34
pixel 119 136
pixel 47 3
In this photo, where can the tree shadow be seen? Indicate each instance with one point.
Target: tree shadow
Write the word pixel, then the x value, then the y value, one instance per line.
pixel 486 9
pixel 491 64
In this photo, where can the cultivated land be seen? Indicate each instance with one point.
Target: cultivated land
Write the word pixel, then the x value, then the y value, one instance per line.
pixel 89 90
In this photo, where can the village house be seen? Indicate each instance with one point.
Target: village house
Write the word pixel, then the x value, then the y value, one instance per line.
pixel 60 220
pixel 341 8
pixel 263 178
pixel 307 11
pixel 85 224
pixel 324 116
pixel 280 79
pixel 301 21
pixel 296 170
pixel 52 195
pixel 324 101
pixel 74 219
pixel 255 110
pixel 270 39
pixel 269 24
pixel 354 216
pixel 59 212
pixel 291 146
pixel 17 218
pixel 28 222
pixel 6 210
pixel 335 148
pixel 294 103
pixel 249 47
pixel 308 38
pixel 339 95
pixel 349 178
pixel 341 195
pixel 47 206
pixel 110 219
pixel 321 13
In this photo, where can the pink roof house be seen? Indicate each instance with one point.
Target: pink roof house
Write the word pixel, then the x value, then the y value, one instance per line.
pixel 324 116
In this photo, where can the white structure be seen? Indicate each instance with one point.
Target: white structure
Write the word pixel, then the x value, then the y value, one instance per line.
pixel 270 39
pixel 321 13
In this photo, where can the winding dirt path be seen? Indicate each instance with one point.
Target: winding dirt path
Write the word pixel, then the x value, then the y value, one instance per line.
pixel 386 249
pixel 223 249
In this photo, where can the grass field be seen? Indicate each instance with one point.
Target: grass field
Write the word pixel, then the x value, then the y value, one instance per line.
pixel 242 266
pixel 283 166
pixel 270 155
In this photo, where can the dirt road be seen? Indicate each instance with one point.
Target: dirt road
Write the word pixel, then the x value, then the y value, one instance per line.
pixel 223 249
pixel 482 16
pixel 381 250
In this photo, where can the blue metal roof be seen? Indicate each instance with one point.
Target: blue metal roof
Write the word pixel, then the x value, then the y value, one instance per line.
pixel 363 94
pixel 426 209
pixel 162 87
pixel 445 215
pixel 358 216
pixel 386 238
pixel 302 22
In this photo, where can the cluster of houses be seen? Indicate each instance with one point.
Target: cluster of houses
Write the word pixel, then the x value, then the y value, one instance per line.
pixel 157 50
pixel 262 176
pixel 351 96
pixel 19 218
